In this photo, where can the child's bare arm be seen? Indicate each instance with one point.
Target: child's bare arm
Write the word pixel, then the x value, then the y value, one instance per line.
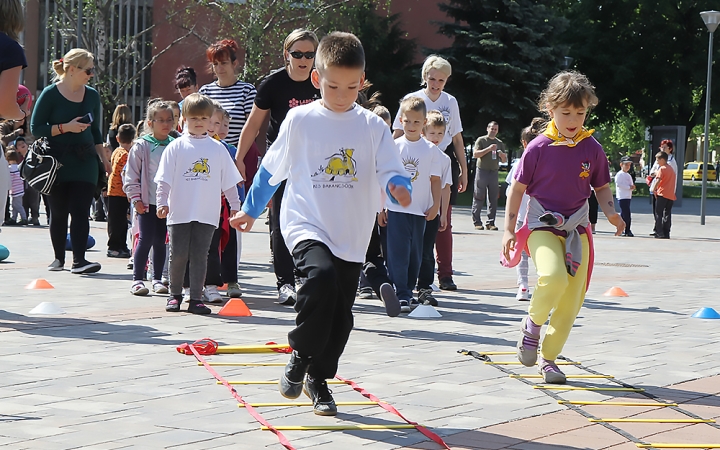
pixel 607 204
pixel 517 189
pixel 436 190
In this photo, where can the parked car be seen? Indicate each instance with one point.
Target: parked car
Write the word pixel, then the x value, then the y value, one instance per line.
pixel 694 170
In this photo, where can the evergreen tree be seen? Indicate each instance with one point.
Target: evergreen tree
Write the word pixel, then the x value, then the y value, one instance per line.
pixel 503 54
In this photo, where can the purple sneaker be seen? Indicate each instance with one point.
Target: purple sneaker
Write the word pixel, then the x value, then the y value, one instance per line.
pixel 550 372
pixel 527 346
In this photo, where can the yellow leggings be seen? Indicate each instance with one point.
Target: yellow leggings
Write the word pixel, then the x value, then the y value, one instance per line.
pixel 556 291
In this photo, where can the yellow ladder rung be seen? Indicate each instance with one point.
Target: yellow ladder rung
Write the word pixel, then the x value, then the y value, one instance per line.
pixel 568 402
pixel 338 427
pixel 581 388
pixel 664 445
pixel 633 420
pixel 267 405
pixel 271 382
pixel 518 363
pixel 566 376
pixel 243 364
pixel 232 349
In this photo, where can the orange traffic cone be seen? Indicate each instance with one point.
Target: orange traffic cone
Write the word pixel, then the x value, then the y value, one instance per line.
pixel 615 292
pixel 39 284
pixel 235 308
pixel 224 287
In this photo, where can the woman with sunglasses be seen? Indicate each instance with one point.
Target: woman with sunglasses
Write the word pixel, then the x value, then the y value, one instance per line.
pixel 279 92
pixel 67 113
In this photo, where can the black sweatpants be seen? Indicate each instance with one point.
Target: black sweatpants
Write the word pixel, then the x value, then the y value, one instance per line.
pixel 31 202
pixel 426 276
pixel 324 307
pixel 73 199
pixel 663 216
pixel 625 213
pixel 374 268
pixel 117 224
pixel 282 260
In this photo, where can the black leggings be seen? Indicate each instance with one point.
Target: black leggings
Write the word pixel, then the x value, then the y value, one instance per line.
pixel 71 198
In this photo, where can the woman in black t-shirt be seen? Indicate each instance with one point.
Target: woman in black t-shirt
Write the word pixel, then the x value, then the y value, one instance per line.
pixel 278 93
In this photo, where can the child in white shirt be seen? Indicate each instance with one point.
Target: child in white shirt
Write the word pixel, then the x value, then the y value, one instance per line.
pixel 406 225
pixel 335 155
pixel 194 171
pixel 624 187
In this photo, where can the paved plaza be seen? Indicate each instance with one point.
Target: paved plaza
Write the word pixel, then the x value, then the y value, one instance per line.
pixel 106 375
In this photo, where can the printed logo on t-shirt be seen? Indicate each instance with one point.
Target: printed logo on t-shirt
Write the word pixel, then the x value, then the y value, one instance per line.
pixel 199 170
pixel 411 166
pixel 293 102
pixel 585 170
pixel 445 111
pixel 338 170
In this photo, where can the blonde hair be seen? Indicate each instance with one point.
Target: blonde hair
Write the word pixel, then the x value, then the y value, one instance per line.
pixel 197 104
pixel 413 104
pixel 77 57
pixel 121 115
pixel 435 119
pixel 300 34
pixel 382 111
pixel 12 18
pixel 435 62
pixel 218 108
pixel 568 88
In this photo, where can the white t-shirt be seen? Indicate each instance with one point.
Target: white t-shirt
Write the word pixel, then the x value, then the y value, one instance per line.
pixel 448 106
pixel 196 170
pixel 421 161
pixel 335 165
pixel 510 179
pixel 623 185
pixel 444 164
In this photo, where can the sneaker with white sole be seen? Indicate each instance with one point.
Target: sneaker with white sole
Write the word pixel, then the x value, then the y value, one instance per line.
pixel 321 396
pixel 211 295
pixel 234 291
pixel 159 288
pixel 529 342
pixel 404 306
pixel 425 297
pixel 291 381
pixel 85 267
pixel 366 292
pixel 286 295
pixel 139 288
pixel 523 294
pixel 414 303
pixel 550 372
pixel 56 266
pixel 390 300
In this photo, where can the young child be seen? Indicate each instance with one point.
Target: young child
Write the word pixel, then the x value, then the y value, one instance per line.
pixel 17 189
pixel 117 200
pixel 434 132
pixel 335 155
pixel 406 225
pixel 195 170
pixel 140 186
pixel 528 134
pixel 557 170
pixel 624 188
pixel 664 190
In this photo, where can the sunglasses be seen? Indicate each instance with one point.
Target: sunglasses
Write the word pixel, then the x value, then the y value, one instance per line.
pixel 299 55
pixel 89 71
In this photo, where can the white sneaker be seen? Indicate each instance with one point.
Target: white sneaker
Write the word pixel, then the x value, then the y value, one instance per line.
pixel 186 294
pixel 299 281
pixel 211 295
pixel 523 293
pixel 286 295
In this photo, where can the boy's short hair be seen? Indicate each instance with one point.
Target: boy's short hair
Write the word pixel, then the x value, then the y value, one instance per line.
pixel 126 133
pixel 218 108
pixel 339 49
pixel 661 155
pixel 197 105
pixel 435 119
pixel 413 104
pixel 11 155
pixel 382 111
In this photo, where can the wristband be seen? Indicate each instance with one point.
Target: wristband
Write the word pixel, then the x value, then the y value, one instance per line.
pixel 60 128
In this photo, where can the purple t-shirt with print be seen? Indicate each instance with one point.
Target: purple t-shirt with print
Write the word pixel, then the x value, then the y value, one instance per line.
pixel 560 177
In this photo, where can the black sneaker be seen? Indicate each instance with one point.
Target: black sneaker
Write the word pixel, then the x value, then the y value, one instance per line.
pixel 390 300
pixel 321 396
pixel 197 307
pixel 291 381
pixel 173 303
pixel 118 253
pixel 85 267
pixel 425 297
pixel 447 284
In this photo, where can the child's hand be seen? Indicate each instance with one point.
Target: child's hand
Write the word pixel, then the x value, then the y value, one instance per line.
pixel 382 218
pixel 242 222
pixel 431 213
pixel 140 207
pixel 400 194
pixel 616 221
pixel 162 212
pixel 632 188
pixel 443 223
pixel 233 212
pixel 508 243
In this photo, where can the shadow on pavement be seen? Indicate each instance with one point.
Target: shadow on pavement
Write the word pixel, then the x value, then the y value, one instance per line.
pixel 614 306
pixel 424 335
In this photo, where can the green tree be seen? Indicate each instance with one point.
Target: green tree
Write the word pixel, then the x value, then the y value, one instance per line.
pixel 503 53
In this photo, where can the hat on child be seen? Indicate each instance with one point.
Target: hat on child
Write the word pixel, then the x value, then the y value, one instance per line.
pixel 625 159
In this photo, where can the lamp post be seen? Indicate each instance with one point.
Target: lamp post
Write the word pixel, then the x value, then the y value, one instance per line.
pixel 712 20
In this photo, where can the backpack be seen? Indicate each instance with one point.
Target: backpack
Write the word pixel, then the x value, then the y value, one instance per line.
pixel 38 168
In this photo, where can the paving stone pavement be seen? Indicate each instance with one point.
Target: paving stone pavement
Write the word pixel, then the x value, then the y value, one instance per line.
pixel 106 374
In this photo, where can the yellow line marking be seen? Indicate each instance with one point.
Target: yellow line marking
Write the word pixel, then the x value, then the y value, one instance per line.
pixel 581 388
pixel 266 405
pixel 272 382
pixel 243 364
pixel 518 363
pixel 664 445
pixel 231 349
pixel 567 402
pixel 566 376
pixel 632 420
pixel 338 427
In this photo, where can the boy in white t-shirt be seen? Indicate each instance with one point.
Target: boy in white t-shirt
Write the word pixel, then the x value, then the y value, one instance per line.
pixel 624 187
pixel 335 155
pixel 406 225
pixel 434 131
pixel 194 171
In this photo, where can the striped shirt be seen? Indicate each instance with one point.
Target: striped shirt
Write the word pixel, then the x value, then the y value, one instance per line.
pixel 237 100
pixel 17 188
